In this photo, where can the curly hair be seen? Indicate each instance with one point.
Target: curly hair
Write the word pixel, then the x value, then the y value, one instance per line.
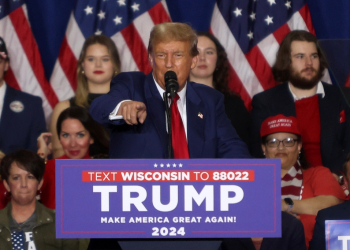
pixel 220 75
pixel 281 67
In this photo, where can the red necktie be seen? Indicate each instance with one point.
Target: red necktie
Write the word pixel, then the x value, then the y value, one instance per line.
pixel 178 133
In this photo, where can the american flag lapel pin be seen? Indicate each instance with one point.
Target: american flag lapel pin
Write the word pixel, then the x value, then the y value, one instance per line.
pixel 200 115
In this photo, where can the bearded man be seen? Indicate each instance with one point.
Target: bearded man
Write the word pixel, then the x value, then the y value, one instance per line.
pixel 319 107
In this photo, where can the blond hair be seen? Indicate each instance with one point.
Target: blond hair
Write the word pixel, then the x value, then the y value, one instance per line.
pixel 166 32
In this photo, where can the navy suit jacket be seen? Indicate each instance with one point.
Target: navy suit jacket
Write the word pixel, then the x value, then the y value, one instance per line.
pixel 335 136
pixel 21 129
pixel 211 136
pixel 338 212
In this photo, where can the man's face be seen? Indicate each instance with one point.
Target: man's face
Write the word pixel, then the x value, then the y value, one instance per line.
pixel 175 56
pixel 305 65
pixel 4 65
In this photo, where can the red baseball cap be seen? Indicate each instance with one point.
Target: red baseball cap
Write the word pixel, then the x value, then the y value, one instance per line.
pixel 279 123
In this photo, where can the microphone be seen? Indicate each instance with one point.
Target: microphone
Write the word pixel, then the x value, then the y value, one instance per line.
pixel 171 84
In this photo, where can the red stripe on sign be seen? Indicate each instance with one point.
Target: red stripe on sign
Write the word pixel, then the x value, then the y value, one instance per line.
pixel 305 14
pixel 168 176
pixel 136 47
pixel 11 79
pixel 68 63
pixel 281 32
pixel 236 85
pixel 159 14
pixel 25 36
pixel 261 68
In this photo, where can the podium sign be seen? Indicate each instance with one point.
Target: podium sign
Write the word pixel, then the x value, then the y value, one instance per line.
pixel 337 234
pixel 161 198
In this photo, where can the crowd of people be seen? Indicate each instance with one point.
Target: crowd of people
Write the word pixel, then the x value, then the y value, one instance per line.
pixel 302 121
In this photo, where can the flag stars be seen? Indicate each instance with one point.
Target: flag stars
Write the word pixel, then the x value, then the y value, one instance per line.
pixel 135 7
pixel 88 10
pixel 117 20
pixel 121 2
pixel 268 20
pixel 271 2
pixel 250 35
pixel 102 15
pixel 252 16
pixel 98 32
pixel 238 12
pixel 288 4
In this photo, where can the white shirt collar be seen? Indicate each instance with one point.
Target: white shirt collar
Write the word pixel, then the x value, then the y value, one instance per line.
pixel 2 96
pixel 319 91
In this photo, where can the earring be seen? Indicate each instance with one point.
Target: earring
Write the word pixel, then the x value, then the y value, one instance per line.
pixel 82 72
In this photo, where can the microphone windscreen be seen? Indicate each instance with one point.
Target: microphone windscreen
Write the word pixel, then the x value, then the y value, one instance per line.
pixel 170 75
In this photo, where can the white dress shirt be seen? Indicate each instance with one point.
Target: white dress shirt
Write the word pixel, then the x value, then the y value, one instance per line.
pixel 319 90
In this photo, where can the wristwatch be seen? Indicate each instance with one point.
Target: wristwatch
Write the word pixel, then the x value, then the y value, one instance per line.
pixel 290 204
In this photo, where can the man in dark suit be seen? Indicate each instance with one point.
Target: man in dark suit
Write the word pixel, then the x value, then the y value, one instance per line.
pixel 22 117
pixel 135 112
pixel 338 212
pixel 321 110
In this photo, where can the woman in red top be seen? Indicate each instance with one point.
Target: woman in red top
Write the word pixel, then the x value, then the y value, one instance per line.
pixel 305 189
pixel 76 131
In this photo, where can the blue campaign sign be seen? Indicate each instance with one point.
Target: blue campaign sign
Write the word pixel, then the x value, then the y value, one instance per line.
pixel 162 198
pixel 337 234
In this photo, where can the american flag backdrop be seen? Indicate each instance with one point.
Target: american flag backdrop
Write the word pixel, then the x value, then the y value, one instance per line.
pixel 250 30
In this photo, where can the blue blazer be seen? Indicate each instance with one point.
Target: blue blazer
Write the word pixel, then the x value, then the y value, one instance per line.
pixel 211 136
pixel 335 136
pixel 337 212
pixel 21 129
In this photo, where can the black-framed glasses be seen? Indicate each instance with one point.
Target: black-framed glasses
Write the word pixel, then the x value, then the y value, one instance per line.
pixel 288 142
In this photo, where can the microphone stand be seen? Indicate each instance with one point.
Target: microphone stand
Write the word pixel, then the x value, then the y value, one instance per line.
pixel 168 121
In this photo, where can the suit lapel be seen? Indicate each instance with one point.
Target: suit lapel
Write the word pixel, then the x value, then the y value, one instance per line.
pixel 155 109
pixel 6 111
pixel 285 97
pixel 196 115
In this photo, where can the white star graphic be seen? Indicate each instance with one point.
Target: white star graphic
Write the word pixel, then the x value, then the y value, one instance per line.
pixel 180 165
pixel 250 35
pixel 88 10
pixel 121 2
pixel 238 12
pixel 288 4
pixel 155 165
pixel 271 2
pixel 135 7
pixel 101 15
pixel 168 165
pixel 98 32
pixel 268 20
pixel 174 165
pixel 161 165
pixel 117 20
pixel 252 16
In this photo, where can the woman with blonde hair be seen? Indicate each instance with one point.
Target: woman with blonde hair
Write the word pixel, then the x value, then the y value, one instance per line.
pixel 98 63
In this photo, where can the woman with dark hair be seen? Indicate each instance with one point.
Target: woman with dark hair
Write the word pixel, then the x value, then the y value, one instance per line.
pixel 25 223
pixel 212 70
pixel 76 132
pixel 98 63
pixel 305 189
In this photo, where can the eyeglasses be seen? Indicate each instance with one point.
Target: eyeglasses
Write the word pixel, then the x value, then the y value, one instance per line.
pixel 288 142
